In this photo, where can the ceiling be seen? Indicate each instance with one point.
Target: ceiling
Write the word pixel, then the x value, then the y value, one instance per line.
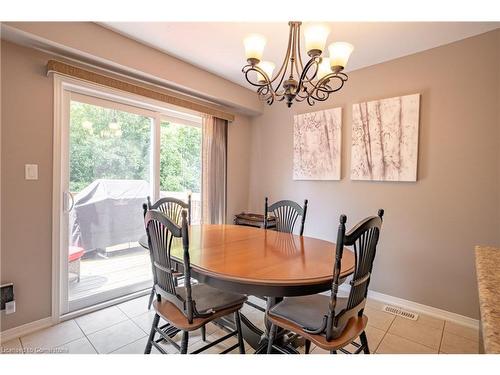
pixel 218 46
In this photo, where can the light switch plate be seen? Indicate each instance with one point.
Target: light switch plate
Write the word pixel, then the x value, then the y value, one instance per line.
pixel 10 307
pixel 31 171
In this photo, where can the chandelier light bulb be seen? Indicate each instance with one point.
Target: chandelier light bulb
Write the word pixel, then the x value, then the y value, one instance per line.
pixel 268 68
pixel 339 54
pixel 254 47
pixel 323 68
pixel 316 36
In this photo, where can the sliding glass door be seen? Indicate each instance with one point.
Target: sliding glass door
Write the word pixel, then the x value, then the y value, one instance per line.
pixel 109 177
pixel 114 156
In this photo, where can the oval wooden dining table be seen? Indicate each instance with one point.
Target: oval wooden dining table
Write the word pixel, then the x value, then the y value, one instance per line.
pixel 260 262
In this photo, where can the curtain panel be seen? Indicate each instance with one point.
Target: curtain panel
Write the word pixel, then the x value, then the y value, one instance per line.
pixel 214 170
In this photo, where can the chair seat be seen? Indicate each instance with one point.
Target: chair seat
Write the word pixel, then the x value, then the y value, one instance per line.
pixel 169 312
pixel 211 299
pixel 355 326
pixel 307 311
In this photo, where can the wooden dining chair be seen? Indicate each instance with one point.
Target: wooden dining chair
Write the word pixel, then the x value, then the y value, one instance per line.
pixel 188 307
pixel 172 208
pixel 286 213
pixel 332 322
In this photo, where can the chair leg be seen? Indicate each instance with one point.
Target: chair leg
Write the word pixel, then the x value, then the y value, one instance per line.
pixel 204 333
pixel 241 343
pixel 184 342
pixel 308 346
pixel 333 352
pixel 151 296
pixel 272 334
pixel 156 319
pixel 364 342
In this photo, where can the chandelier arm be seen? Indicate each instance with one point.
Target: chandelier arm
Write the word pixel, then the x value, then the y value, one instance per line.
pixel 248 68
pixel 298 47
pixel 323 86
pixel 266 94
pixel 303 77
pixel 285 61
pixel 310 79
pixel 296 52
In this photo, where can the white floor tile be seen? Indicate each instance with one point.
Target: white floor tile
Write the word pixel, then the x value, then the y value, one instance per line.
pixel 114 337
pixel 463 331
pixel 145 321
pixel 101 319
pixel 136 347
pixel 47 339
pixel 135 307
pixel 454 344
pixel 11 347
pixel 80 346
pixel 392 344
pixel 378 318
pixel 418 331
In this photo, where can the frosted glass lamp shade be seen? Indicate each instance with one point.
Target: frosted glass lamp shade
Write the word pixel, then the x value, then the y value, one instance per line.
pixel 316 36
pixel 254 47
pixel 339 54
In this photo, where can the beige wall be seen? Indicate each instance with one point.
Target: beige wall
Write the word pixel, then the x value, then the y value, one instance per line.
pixel 431 226
pixel 27 121
pixel 27 103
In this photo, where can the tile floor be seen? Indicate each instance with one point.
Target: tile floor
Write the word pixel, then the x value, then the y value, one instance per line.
pixel 123 329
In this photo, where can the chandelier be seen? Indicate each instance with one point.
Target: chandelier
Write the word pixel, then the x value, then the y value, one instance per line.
pixel 294 81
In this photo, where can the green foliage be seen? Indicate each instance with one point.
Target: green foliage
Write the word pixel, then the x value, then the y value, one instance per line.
pixel 180 158
pixel 100 150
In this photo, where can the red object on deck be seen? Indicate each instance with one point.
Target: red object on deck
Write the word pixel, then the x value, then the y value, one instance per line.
pixel 75 253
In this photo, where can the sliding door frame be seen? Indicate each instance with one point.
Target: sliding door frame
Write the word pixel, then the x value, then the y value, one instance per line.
pixel 64 88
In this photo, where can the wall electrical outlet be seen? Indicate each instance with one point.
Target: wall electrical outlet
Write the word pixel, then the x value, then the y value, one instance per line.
pixel 7 302
pixel 10 307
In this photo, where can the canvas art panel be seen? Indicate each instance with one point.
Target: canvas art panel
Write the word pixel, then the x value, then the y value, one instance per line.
pixel 316 145
pixel 385 139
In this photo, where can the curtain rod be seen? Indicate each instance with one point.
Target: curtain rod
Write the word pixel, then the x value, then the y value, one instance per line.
pixel 54 66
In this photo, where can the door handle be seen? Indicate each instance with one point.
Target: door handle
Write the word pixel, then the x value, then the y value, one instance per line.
pixel 70 198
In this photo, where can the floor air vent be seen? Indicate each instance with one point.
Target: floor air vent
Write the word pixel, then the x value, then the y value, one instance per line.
pixel 400 312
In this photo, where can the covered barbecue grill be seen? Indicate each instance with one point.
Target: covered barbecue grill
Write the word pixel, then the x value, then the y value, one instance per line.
pixel 107 213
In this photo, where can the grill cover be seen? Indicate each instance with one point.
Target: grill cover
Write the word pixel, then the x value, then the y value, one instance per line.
pixel 107 213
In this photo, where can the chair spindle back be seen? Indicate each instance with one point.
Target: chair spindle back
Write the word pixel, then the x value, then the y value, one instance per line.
pixel 172 207
pixel 286 213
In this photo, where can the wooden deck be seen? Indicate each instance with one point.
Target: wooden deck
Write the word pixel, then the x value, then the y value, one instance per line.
pixel 119 269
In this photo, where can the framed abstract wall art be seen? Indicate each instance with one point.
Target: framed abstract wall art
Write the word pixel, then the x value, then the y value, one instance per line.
pixel 385 139
pixel 316 145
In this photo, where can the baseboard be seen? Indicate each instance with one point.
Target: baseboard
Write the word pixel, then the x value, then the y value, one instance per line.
pixel 25 329
pixel 424 309
pixel 419 308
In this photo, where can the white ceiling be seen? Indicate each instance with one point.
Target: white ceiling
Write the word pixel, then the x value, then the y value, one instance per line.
pixel 218 46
